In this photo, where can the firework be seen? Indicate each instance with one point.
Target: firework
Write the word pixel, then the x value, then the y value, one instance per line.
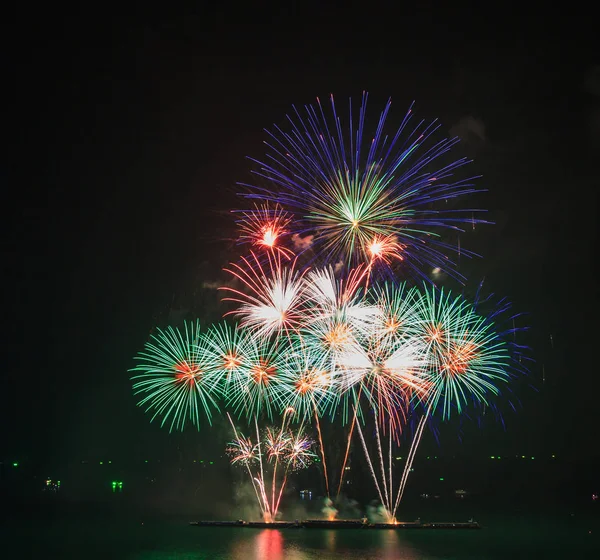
pixel 397 317
pixel 307 384
pixel 264 228
pixel 337 318
pixel 331 340
pixel 467 358
pixel 175 377
pixel 272 297
pixel 229 350
pixel 300 454
pixel 387 374
pixel 242 451
pixel 291 450
pixel 256 389
pixel 350 188
pixel 339 300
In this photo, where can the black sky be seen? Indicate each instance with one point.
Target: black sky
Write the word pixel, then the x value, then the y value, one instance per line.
pixel 124 137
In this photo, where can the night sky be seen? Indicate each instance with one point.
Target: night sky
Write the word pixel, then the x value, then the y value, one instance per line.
pixel 124 138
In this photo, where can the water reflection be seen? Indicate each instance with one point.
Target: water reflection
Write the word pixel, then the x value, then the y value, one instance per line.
pixel 394 548
pixel 268 544
pixel 299 544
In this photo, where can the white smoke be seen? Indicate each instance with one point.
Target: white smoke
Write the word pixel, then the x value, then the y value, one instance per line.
pixel 338 266
pixel 378 514
pixel 302 243
pixel 470 130
pixel 328 511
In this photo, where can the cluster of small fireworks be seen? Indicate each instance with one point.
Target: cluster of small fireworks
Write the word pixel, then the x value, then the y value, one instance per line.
pixel 283 447
pixel 323 325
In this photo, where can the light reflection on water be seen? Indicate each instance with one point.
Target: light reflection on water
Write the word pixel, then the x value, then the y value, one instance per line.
pixel 298 544
pixel 274 544
pixel 511 537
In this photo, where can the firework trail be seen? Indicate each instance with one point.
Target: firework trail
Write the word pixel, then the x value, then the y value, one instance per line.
pixel 282 446
pixel 243 452
pixel 309 388
pixel 387 366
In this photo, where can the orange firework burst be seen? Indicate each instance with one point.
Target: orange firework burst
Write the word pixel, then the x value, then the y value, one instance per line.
pixel 264 227
pixel 187 372
pixel 458 358
pixel 263 372
pixel 384 248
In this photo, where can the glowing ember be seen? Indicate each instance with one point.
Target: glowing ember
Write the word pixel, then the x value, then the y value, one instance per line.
pixel 187 372
pixel 269 237
pixel 263 373
pixel 231 361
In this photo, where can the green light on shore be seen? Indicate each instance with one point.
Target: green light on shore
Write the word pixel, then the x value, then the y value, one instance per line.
pixel 441 478
pixel 16 464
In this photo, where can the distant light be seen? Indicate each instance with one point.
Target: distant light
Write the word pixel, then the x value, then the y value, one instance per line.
pixel 493 457
pixel 522 456
pixel 554 456
pixel 532 458
pixel 441 478
pixel 109 462
pixel 16 464
pixel 102 462
pixel 436 270
pixel 210 462
pixel 146 461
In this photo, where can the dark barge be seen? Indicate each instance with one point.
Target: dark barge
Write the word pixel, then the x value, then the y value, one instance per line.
pixel 338 524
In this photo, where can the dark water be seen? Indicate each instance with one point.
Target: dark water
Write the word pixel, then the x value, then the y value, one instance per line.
pixel 531 536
